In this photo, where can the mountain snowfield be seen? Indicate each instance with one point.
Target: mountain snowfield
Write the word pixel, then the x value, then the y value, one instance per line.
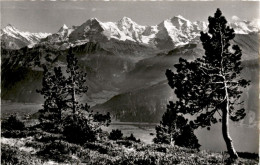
pixel 171 32
pixel 14 39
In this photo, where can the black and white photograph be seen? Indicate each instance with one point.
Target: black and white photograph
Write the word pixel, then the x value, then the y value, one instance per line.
pixel 110 82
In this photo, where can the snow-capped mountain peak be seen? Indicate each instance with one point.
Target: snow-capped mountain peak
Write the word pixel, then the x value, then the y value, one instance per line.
pixel 181 23
pixel 10 30
pixel 93 21
pixel 10 27
pixel 14 32
pixel 12 38
pixel 245 27
pixel 64 27
pixel 125 21
pixel 170 32
pixel 178 31
pixel 62 36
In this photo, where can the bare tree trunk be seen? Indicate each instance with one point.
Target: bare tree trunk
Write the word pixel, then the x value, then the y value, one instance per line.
pixel 225 131
pixel 225 127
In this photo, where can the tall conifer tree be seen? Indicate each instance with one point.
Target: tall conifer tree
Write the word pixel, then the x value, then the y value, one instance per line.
pixel 53 85
pixel 61 92
pixel 210 87
pixel 75 84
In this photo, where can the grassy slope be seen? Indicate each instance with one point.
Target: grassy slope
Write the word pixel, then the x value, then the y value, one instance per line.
pixel 46 148
pixel 119 154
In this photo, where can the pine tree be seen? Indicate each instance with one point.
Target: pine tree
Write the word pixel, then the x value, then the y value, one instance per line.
pixel 62 111
pixel 60 90
pixel 75 84
pixel 174 128
pixel 210 87
pixel 53 85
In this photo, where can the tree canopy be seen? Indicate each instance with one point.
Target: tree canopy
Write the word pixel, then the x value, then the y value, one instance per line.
pixel 62 111
pixel 210 87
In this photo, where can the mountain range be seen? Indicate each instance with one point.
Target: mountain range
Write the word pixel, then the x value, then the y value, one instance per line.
pixel 125 62
pixel 171 32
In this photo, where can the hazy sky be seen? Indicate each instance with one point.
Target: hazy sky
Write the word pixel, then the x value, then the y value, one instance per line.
pixel 50 16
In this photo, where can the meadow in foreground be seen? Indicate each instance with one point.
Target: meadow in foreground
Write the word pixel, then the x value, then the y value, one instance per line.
pixel 32 145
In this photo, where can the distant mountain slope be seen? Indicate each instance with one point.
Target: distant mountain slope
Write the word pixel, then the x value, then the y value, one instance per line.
pixel 142 105
pixel 147 104
pixel 20 66
pixel 249 43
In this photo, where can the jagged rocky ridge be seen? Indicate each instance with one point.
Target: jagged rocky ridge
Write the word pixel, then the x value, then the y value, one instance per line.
pixel 171 32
